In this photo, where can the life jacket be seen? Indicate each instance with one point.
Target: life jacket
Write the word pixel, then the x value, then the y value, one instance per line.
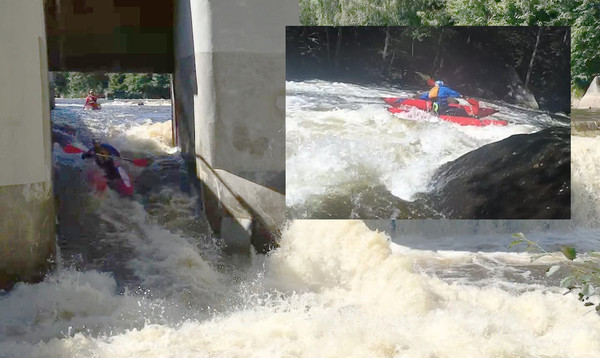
pixel 433 93
pixel 91 99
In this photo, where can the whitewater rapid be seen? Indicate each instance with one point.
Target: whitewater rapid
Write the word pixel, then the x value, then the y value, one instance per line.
pixel 146 278
pixel 343 145
pixel 333 289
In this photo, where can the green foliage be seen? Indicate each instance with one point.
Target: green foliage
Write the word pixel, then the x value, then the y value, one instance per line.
pixel 584 274
pixel 61 81
pixel 581 15
pixel 585 57
pixel 470 12
pixel 364 13
pixel 117 85
pixel 79 84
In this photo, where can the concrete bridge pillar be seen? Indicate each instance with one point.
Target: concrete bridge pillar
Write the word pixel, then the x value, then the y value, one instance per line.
pixel 230 59
pixel 27 226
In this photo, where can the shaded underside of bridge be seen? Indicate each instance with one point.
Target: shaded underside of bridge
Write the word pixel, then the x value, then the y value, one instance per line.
pixel 110 35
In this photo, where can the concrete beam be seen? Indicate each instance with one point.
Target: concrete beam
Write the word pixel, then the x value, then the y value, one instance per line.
pixel 110 36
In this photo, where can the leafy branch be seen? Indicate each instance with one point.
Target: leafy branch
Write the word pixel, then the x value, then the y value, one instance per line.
pixel 584 274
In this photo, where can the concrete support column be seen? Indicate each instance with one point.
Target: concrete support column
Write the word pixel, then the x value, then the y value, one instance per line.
pixel 27 226
pixel 238 52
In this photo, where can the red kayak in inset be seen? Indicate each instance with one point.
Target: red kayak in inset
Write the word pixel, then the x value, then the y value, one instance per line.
pixel 475 112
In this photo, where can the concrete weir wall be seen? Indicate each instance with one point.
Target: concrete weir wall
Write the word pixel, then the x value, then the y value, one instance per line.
pixel 26 202
pixel 591 99
pixel 230 56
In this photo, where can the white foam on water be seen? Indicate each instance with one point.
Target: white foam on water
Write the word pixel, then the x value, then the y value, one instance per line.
pixel 171 265
pixel 333 288
pixel 149 137
pixel 135 102
pixel 133 129
pixel 585 171
pixel 341 135
pixel 336 289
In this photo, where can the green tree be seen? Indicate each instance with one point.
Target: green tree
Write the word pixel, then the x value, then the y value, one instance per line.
pixel 116 87
pixel 581 15
pixel 80 83
pixel 138 84
pixel 319 12
pixel 161 85
pixel 61 83
pixel 119 85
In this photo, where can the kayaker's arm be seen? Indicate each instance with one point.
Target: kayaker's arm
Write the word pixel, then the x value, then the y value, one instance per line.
pixel 449 92
pixel 425 96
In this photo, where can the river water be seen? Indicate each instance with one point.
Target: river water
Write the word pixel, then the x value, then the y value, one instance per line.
pixel 348 157
pixel 144 277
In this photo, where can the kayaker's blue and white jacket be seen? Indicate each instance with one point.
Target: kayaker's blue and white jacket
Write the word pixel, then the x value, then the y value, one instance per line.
pixel 443 93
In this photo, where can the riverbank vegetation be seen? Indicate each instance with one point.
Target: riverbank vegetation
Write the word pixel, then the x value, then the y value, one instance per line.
pixel 526 66
pixel 581 15
pixel 112 85
pixel 583 275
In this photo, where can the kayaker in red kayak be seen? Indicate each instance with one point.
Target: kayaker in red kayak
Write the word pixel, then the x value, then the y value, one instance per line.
pixel 439 95
pixel 91 100
pixel 103 154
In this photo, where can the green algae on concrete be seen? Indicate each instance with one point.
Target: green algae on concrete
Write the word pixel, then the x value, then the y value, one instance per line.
pixel 27 232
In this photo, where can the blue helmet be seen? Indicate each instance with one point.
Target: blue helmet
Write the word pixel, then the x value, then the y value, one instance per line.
pixel 439 83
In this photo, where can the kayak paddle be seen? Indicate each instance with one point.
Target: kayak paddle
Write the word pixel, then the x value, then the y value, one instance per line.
pixel 71 149
pixel 137 162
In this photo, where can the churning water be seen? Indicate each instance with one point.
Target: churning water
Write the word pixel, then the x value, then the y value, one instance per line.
pixel 145 277
pixel 347 156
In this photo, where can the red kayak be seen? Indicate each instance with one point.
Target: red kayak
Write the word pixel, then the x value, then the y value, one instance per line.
pixel 121 185
pixel 93 106
pixel 475 112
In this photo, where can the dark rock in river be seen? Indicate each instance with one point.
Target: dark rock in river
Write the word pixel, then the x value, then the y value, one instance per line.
pixel 525 176
pixel 366 202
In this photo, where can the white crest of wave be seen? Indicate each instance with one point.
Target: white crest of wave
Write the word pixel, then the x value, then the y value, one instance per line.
pixel 69 301
pixel 341 292
pixel 135 102
pixel 154 137
pixel 340 138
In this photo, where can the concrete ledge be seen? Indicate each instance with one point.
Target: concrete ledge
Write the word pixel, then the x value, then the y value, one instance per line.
pixel 27 233
pixel 243 200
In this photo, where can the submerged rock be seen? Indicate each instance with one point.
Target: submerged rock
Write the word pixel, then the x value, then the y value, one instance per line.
pixel 525 176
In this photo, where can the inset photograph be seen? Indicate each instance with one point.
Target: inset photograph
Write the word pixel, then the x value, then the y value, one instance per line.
pixel 428 123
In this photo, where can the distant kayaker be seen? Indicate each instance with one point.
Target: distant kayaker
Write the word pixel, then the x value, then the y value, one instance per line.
pixel 91 100
pixel 439 95
pixel 103 154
